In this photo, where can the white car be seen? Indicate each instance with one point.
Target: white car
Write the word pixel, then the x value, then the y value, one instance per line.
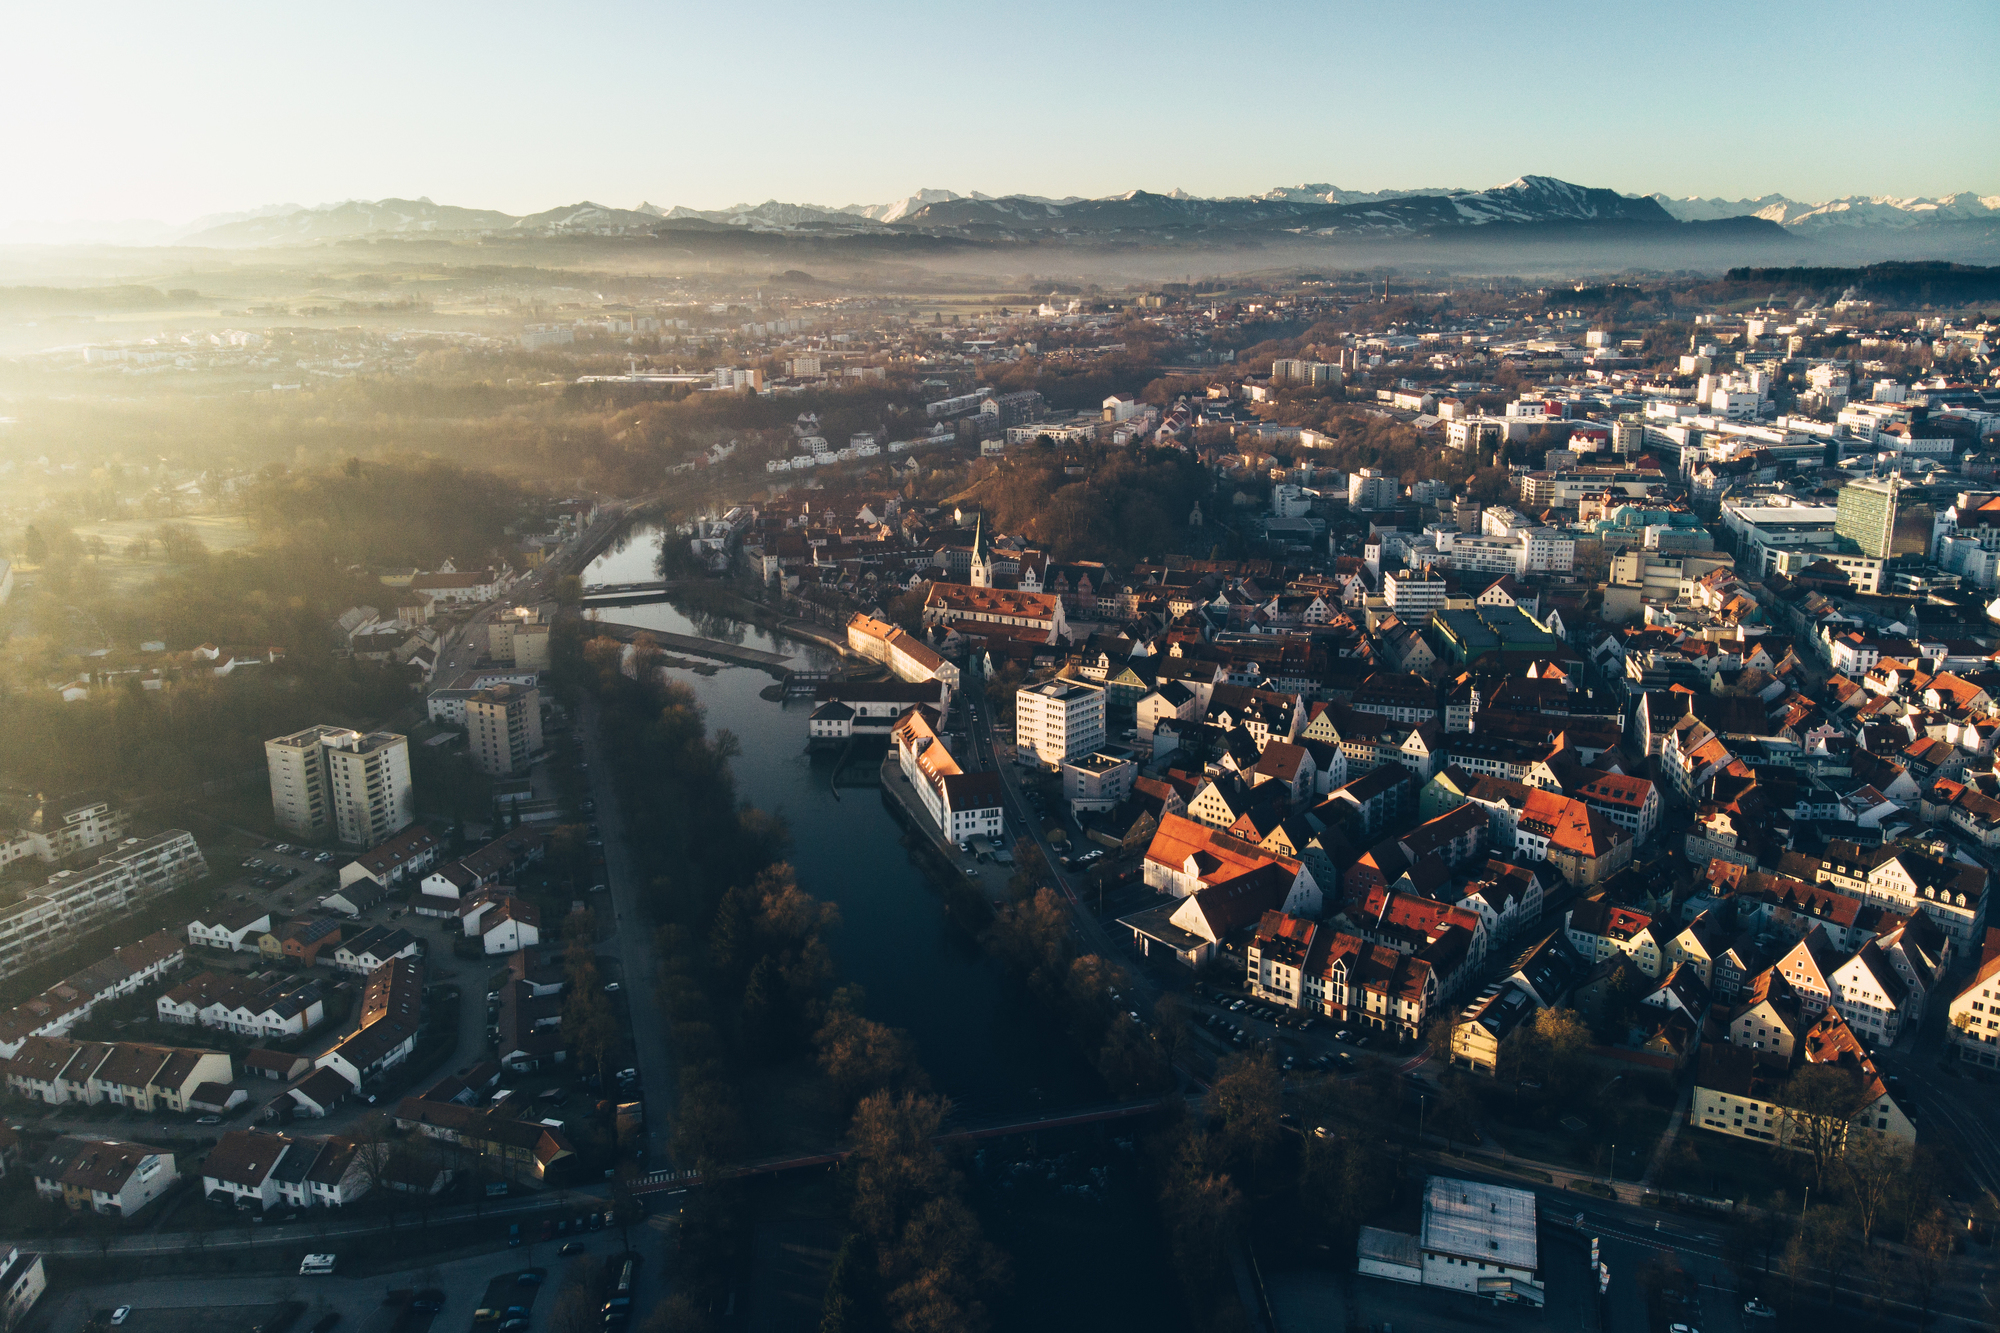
pixel 1756 1309
pixel 120 1315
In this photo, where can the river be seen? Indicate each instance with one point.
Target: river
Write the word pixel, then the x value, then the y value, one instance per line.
pixel 983 1047
pixel 1086 1255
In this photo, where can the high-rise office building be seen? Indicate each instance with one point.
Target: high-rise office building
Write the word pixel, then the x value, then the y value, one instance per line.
pixel 503 728
pixel 331 780
pixel 1886 518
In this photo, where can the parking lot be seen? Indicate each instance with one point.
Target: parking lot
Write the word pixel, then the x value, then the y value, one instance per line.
pixel 1233 1021
pixel 372 1304
pixel 288 882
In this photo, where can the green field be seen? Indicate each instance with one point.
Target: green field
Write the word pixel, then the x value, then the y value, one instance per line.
pixel 219 532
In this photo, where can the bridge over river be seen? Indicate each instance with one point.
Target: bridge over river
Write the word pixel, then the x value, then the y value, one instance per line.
pixel 662 1182
pixel 688 643
pixel 628 594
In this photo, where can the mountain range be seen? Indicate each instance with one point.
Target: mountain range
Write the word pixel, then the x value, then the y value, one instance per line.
pixel 1528 204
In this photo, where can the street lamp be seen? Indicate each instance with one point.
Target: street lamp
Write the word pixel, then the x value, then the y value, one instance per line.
pixel 1423 1103
pixel 1614 1162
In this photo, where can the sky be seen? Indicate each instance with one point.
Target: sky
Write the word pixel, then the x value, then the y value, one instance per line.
pixel 142 110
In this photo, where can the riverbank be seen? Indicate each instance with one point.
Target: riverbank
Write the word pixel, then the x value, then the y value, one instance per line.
pixel 950 867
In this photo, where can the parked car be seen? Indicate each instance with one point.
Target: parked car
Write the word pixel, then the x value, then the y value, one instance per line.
pixel 121 1314
pixel 208 1120
pixel 574 1247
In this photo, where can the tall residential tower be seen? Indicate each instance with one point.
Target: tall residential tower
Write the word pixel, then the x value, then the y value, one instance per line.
pixel 333 781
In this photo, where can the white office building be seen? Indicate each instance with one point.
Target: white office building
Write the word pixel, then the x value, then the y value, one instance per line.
pixel 1057 721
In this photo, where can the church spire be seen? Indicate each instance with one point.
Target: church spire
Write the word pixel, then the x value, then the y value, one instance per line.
pixel 982 559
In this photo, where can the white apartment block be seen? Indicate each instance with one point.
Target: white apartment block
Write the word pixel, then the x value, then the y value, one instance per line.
pixel 1057 721
pixel 1510 550
pixel 75 900
pixel 1413 594
pixel 333 780
pixel 58 830
pixel 503 729
pixel 298 782
pixel 1547 551
pixel 1370 489
pixel 1481 554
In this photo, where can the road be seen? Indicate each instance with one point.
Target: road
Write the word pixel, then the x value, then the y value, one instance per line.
pixel 979 736
pixel 1960 1110
pixel 464 647
pixel 464 1281
pixel 323 1226
pixel 631 944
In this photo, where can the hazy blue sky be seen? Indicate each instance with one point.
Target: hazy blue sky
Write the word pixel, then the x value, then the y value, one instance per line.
pixel 119 110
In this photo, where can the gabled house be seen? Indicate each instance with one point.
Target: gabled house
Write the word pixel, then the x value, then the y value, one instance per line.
pixel 1870 996
pixel 392 1011
pixel 1809 967
pixel 517 1145
pixel 1599 930
pixel 234 930
pixel 241 1166
pixel 1186 857
pixel 1768 1016
pixel 365 953
pixel 1193 929
pixel 103 1176
pixel 1744 1093
pixel 410 853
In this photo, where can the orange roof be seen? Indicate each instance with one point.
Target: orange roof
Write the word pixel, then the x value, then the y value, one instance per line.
pixel 959 597
pixel 1617 789
pixel 1218 857
pixel 1568 823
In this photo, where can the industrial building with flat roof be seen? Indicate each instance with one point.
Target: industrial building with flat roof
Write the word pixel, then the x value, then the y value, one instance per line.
pixel 1476 1238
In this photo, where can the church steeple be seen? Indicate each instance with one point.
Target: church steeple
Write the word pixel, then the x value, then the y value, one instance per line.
pixel 982 555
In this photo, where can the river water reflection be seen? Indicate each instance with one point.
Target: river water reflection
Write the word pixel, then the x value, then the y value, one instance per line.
pixel 981 1044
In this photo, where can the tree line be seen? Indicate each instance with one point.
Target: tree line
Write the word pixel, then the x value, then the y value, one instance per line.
pixel 748 990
